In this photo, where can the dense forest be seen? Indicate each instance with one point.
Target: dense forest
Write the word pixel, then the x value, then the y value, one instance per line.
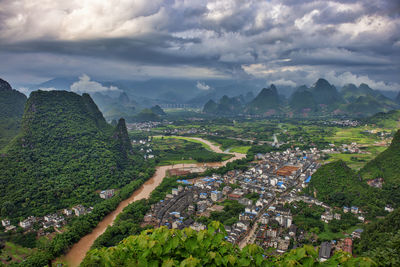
pixel 381 240
pixel 64 152
pixel 12 105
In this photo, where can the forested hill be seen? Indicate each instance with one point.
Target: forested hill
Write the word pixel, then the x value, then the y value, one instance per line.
pixel 64 152
pixel 12 102
pixel 12 105
pixel 386 164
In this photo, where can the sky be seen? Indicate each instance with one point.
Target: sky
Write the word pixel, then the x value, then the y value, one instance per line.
pixel 287 43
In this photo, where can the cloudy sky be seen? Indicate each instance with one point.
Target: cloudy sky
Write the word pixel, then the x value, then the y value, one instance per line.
pixel 288 42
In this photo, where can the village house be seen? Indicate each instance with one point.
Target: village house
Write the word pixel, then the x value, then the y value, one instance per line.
pixel 325 251
pixel 5 222
pixel 216 195
pixel 106 194
pixel 79 210
pixel 389 208
pixel 27 223
pixel 67 212
pixel 357 233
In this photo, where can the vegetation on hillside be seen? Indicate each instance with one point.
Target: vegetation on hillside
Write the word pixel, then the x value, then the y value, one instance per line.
pixel 338 185
pixel 386 165
pixel 164 247
pixel 63 154
pixel 381 240
pixel 174 150
pixel 12 105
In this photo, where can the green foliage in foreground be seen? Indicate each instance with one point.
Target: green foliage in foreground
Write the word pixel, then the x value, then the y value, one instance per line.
pixel 163 247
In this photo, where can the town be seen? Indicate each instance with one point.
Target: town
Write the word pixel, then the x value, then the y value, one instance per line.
pixel 266 190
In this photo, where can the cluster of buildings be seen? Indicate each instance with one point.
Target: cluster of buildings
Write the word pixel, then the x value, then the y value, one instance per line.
pixel 56 220
pixel 356 211
pixel 144 126
pixel 343 123
pixel 276 174
pixel 145 147
pixel 183 131
pixel 352 148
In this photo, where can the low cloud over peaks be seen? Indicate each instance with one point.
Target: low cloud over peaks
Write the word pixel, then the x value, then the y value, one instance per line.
pixel 85 85
pixel 203 86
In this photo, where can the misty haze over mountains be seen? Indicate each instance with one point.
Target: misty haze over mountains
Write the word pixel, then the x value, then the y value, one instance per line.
pixel 124 98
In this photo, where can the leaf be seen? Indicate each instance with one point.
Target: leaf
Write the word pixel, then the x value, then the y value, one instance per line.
pixel 168 263
pixel 244 262
pixel 300 253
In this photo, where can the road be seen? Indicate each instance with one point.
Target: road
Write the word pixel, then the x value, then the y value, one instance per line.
pixel 250 237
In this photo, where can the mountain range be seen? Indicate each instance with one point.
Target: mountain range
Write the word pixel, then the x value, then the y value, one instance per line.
pixel 322 98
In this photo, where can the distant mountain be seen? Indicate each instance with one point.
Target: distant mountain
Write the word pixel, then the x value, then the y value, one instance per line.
pixel 368 105
pixel 398 98
pixel 248 97
pixel 302 101
pixel 225 106
pixel 116 107
pixel 145 114
pixel 59 83
pixel 389 94
pixel 231 90
pixel 210 107
pixel 364 101
pixel 325 94
pixel 158 110
pixel 350 92
pixel 267 101
pixel 64 152
pixel 12 104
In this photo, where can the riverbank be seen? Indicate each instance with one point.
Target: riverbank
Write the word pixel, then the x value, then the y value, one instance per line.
pixel 78 251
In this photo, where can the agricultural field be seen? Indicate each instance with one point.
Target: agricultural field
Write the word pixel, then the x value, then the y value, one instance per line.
pixel 175 150
pixel 357 161
pixel 15 253
pixel 241 134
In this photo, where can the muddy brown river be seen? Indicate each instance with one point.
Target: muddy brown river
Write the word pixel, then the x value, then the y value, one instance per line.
pixel 78 251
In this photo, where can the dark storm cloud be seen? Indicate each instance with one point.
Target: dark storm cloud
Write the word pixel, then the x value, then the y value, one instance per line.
pixel 275 40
